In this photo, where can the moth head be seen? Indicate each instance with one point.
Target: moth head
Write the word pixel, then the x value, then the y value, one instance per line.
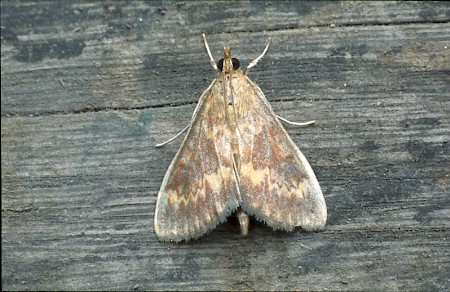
pixel 226 63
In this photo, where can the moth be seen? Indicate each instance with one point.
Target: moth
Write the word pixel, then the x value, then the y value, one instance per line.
pixel 236 157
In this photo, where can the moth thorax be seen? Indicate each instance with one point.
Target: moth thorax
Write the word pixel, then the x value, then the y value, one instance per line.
pixel 229 94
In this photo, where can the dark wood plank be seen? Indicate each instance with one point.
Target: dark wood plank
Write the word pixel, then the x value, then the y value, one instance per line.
pixel 74 57
pixel 88 89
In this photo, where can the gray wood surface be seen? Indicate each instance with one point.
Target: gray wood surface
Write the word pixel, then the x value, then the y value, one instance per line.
pixel 88 89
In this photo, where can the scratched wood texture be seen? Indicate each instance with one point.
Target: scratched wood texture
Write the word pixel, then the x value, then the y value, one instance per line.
pixel 88 89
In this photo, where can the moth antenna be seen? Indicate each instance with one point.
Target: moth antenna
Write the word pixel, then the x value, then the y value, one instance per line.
pixel 295 123
pixel 254 62
pixel 213 63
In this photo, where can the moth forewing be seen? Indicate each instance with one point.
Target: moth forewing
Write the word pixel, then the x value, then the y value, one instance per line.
pixel 198 190
pixel 277 183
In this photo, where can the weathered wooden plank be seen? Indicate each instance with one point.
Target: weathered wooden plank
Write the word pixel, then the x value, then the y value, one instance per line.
pixel 80 173
pixel 87 218
pixel 95 56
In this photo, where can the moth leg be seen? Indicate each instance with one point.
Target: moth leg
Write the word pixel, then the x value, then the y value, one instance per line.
pixel 295 123
pixel 213 63
pixel 176 136
pixel 253 63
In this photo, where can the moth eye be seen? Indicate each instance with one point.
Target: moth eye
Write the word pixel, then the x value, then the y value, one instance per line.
pixel 220 64
pixel 236 63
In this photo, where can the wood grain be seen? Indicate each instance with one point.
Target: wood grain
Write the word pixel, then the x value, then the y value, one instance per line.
pixel 88 89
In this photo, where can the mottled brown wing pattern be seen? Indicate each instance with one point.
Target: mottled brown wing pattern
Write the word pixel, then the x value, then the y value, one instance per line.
pixel 199 189
pixel 236 154
pixel 277 183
